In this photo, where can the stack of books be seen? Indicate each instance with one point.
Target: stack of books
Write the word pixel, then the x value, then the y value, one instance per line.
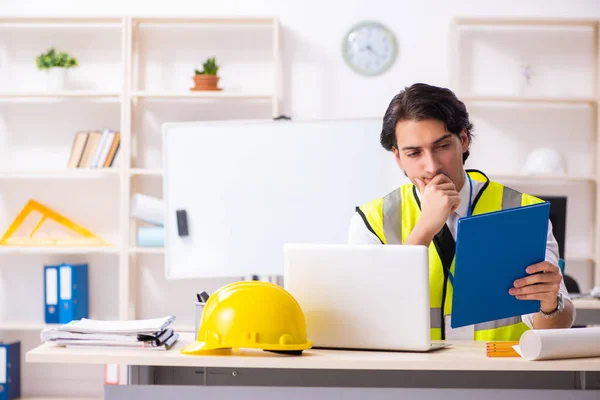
pixel 95 149
pixel 151 334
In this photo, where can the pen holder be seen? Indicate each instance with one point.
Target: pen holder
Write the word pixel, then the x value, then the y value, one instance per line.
pixel 198 316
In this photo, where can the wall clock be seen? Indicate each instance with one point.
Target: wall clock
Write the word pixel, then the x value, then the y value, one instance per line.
pixel 369 48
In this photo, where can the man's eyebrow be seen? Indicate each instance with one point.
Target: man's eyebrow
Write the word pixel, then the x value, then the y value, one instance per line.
pixel 436 142
pixel 446 136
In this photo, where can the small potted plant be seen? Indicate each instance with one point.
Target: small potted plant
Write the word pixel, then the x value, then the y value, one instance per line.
pixel 56 64
pixel 207 79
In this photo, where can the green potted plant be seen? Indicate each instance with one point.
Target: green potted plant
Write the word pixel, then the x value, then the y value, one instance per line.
pixel 207 79
pixel 56 64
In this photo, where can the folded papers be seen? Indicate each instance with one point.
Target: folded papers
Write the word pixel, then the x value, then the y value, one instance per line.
pixel 148 333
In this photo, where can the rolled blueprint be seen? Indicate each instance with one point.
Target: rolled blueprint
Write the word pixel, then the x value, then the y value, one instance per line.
pixel 151 236
pixel 548 344
pixel 147 208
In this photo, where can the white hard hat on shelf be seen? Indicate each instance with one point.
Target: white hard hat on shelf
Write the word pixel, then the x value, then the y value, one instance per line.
pixel 544 161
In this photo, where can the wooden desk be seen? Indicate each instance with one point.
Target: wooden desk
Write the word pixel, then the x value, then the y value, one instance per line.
pixel 462 366
pixel 461 356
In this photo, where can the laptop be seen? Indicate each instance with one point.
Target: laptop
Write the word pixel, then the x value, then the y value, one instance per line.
pixel 367 297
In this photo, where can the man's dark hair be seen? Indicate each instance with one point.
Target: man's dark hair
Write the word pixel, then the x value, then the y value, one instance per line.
pixel 421 102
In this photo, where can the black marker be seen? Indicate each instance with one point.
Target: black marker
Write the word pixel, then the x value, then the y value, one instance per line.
pixel 202 297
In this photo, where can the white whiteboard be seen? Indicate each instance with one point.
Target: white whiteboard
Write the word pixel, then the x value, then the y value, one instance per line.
pixel 248 187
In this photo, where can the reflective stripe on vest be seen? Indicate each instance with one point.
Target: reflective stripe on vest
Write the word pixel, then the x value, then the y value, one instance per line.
pixel 498 323
pixel 510 198
pixel 393 217
pixel 436 314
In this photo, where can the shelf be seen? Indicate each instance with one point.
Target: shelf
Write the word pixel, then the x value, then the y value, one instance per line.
pixel 147 250
pixel 224 94
pixel 525 21
pixel 74 173
pixel 8 250
pixel 205 20
pixel 145 172
pixel 58 20
pixel 529 99
pixel 542 178
pixel 25 326
pixel 65 95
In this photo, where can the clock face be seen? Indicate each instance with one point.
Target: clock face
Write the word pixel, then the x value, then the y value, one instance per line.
pixel 369 48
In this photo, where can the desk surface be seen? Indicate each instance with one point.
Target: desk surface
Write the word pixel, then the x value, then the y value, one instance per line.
pixel 462 356
pixel 587 304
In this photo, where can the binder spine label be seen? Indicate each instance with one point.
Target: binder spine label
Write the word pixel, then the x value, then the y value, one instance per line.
pixel 65 283
pixel 51 286
pixel 3 362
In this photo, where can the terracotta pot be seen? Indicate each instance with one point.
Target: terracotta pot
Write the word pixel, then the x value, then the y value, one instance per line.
pixel 206 82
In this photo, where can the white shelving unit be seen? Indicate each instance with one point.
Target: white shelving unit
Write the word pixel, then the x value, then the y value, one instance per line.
pixel 528 99
pixel 61 174
pixel 131 80
pixel 543 178
pixel 5 250
pixel 24 326
pixel 203 95
pixel 67 95
pixel 147 250
pixel 145 172
pixel 488 58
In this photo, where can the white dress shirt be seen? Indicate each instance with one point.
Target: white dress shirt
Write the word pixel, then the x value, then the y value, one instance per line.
pixel 358 233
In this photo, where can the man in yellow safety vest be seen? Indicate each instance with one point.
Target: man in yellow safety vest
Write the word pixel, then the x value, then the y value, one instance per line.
pixel 428 130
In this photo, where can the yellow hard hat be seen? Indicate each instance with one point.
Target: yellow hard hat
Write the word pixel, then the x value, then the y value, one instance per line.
pixel 251 314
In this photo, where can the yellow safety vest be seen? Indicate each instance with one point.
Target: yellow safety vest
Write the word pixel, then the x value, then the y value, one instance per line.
pixel 393 217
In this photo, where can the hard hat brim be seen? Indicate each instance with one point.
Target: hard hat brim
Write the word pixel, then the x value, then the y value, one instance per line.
pixel 197 348
pixel 203 348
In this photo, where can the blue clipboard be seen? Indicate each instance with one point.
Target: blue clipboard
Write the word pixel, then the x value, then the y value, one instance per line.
pixel 492 251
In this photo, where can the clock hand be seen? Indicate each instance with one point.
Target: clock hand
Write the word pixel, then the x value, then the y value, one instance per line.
pixel 371 50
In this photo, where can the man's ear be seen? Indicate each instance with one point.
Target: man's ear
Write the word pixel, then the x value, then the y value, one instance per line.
pixel 397 157
pixel 464 140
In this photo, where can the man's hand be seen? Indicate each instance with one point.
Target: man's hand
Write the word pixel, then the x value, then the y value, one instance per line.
pixel 542 284
pixel 439 199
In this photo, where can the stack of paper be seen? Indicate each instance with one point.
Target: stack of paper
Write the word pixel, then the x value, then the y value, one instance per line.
pixel 153 334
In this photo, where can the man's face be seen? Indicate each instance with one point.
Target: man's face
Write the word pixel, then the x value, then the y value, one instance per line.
pixel 426 149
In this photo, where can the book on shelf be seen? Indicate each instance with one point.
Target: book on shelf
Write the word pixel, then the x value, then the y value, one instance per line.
pixel 77 150
pixel 94 149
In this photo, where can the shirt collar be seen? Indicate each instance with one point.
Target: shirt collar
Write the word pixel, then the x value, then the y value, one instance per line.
pixel 464 198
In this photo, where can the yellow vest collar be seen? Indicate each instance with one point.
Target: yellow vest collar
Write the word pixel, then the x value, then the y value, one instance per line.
pixel 477 175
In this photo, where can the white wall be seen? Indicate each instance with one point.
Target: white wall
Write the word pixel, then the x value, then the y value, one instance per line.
pixel 316 81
